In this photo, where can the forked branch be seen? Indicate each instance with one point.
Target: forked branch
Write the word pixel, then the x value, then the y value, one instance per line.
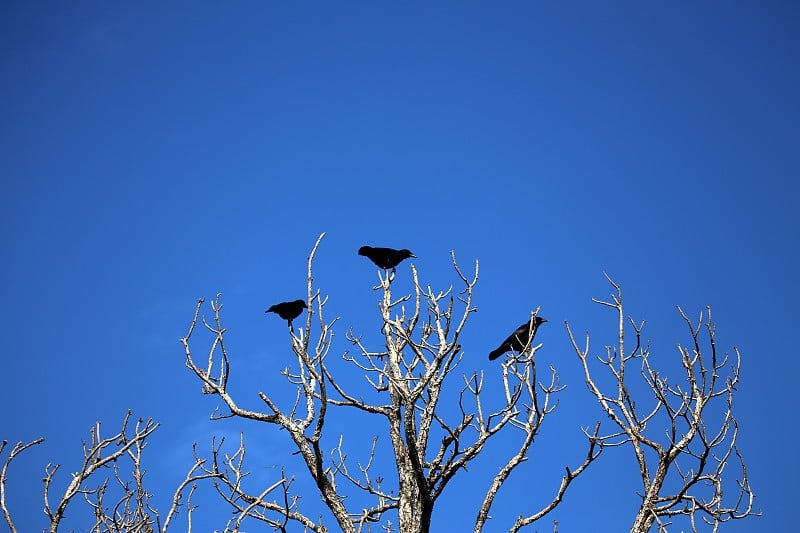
pixel 678 436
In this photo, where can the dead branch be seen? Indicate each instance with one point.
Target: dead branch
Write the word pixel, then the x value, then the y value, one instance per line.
pixel 18 449
pixel 99 453
pixel 699 440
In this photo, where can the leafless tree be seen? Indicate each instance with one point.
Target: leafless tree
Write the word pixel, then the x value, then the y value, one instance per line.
pixel 406 377
pixel 116 494
pixel 131 512
pixel 438 419
pixel 684 437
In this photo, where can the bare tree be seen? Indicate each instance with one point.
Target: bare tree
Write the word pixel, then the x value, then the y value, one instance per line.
pixel 438 420
pixel 406 377
pixel 683 438
pixel 131 512
pixel 116 494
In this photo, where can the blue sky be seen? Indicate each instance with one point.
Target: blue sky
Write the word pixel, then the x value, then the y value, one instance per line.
pixel 154 154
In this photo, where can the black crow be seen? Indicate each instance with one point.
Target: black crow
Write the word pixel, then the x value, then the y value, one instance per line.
pixel 288 310
pixel 385 257
pixel 518 340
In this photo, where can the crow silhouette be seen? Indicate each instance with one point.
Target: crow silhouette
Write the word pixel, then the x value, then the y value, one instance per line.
pixel 288 310
pixel 385 257
pixel 518 340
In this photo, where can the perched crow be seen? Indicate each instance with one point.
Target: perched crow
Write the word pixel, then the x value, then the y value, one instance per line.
pixel 385 257
pixel 518 340
pixel 288 310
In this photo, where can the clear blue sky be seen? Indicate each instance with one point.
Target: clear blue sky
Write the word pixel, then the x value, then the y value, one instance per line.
pixel 152 154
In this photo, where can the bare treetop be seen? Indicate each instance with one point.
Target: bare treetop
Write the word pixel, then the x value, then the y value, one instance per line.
pixel 683 461
pixel 436 420
pixel 421 339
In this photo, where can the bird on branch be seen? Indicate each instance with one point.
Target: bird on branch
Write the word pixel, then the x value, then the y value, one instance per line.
pixel 385 258
pixel 520 339
pixel 288 310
